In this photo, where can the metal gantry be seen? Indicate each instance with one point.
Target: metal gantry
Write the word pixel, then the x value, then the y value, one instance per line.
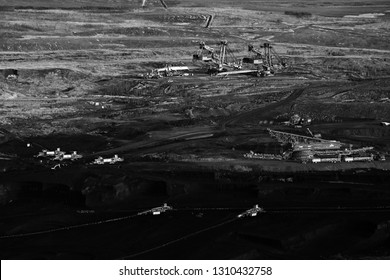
pixel 285 137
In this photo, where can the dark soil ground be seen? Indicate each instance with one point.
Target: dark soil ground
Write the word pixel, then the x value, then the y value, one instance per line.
pixel 183 138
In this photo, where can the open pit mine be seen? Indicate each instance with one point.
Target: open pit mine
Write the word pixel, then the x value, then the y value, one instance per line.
pixel 194 129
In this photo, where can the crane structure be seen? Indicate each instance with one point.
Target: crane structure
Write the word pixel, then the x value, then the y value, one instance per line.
pixel 286 137
pixel 266 61
pixel 219 62
pixel 223 63
pixel 205 54
pixel 269 55
pixel 258 57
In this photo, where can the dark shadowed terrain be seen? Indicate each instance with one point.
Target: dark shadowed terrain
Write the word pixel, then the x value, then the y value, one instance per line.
pixel 79 85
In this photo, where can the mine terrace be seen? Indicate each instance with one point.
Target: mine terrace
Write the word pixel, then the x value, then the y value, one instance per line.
pixel 204 105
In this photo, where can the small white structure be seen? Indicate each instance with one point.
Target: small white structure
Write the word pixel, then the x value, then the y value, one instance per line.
pixel 59 155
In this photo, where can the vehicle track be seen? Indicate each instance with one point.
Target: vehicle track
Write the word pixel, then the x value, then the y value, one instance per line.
pixel 262 111
pixel 172 141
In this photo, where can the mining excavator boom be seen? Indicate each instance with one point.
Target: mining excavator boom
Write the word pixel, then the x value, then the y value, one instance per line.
pixel 205 54
pixel 257 59
pixel 270 54
pixel 220 62
pixel 265 58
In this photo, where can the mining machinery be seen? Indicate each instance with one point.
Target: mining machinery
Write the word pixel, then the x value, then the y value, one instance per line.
pixel 72 156
pixel 205 54
pixel 257 59
pixel 47 153
pixel 267 62
pixel 286 137
pixel 59 155
pixel 112 160
pixel 219 62
pixel 251 212
pixel 157 210
pixel 223 62
pixel 270 55
pixel 168 71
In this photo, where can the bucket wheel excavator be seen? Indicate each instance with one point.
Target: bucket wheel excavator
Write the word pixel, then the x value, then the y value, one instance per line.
pixel 267 61
pixel 221 61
